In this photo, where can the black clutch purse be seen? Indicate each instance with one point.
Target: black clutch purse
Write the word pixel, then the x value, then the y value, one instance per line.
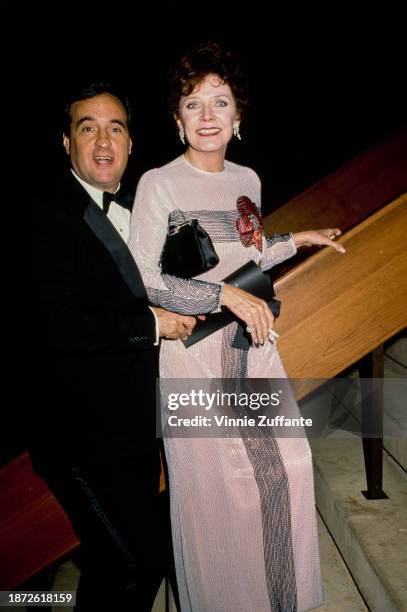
pixel 250 278
pixel 188 250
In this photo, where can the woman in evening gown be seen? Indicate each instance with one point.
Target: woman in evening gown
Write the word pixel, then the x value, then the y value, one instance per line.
pixel 242 508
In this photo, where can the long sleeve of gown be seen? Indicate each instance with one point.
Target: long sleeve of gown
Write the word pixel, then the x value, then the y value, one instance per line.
pixel 279 248
pixel 148 229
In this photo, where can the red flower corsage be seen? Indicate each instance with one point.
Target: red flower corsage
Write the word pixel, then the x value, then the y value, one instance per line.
pixel 249 224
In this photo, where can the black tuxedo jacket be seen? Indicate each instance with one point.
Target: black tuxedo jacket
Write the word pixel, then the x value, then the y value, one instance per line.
pixel 93 359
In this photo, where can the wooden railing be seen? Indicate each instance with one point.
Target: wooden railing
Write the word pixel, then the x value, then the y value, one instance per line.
pixel 339 307
pixel 351 193
pixel 338 310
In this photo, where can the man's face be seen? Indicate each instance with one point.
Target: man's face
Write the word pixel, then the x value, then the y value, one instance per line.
pixel 99 142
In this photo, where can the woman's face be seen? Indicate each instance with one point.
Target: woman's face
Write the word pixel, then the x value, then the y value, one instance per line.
pixel 207 115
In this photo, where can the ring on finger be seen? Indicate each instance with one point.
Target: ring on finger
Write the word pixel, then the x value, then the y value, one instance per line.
pixel 250 329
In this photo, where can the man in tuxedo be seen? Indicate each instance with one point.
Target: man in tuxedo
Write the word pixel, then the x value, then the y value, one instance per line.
pixel 92 435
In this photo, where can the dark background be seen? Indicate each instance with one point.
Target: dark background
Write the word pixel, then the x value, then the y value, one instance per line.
pixel 326 84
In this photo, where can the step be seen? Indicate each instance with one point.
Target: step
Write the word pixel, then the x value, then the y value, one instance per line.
pixel 370 534
pixel 339 590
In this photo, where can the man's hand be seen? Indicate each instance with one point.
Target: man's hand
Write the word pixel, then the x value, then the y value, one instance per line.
pixel 323 237
pixel 172 325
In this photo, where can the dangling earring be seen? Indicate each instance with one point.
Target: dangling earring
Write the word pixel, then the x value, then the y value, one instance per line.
pixel 181 134
pixel 236 130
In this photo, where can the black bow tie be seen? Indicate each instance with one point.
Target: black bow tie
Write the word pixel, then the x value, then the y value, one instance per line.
pixel 122 197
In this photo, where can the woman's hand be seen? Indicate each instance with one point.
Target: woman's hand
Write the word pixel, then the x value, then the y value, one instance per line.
pixel 323 237
pixel 250 309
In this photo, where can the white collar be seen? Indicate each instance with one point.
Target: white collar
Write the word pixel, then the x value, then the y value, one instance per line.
pixel 95 194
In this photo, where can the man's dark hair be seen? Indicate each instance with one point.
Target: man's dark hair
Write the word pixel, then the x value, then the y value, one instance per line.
pixel 90 90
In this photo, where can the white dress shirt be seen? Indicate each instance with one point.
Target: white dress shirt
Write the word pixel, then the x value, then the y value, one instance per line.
pixel 117 215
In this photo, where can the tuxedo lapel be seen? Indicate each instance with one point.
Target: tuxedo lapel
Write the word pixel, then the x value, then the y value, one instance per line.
pixel 95 218
pixel 107 234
